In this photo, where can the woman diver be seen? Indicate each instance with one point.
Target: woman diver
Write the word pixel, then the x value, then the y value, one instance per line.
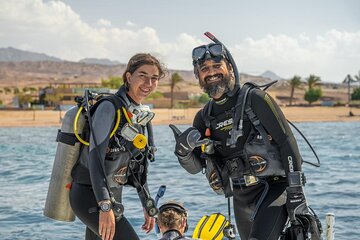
pixel 117 155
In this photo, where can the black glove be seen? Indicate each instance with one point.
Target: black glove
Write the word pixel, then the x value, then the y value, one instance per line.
pixel 296 202
pixel 186 141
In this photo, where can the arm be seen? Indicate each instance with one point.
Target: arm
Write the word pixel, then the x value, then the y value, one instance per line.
pixel 274 121
pixel 102 123
pixel 187 146
pixel 276 125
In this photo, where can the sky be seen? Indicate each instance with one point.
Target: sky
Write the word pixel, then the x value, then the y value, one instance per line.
pixel 288 37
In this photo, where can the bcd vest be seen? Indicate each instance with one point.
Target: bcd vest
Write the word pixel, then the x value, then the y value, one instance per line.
pixel 259 156
pixel 124 164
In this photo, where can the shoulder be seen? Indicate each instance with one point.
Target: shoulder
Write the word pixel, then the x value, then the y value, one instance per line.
pixel 199 114
pixel 257 94
pixel 105 107
pixel 199 118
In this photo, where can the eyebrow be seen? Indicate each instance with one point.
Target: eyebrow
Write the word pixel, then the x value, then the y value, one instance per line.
pixel 148 73
pixel 213 64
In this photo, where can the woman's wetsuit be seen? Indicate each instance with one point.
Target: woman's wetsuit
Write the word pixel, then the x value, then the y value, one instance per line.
pixel 89 181
pixel 271 215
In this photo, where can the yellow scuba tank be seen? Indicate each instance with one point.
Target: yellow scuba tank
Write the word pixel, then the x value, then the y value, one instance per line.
pixel 57 204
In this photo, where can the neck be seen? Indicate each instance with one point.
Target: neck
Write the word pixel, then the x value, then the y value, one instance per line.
pixel 133 98
pixel 172 230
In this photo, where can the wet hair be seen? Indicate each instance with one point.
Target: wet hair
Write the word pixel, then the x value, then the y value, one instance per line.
pixel 171 218
pixel 141 59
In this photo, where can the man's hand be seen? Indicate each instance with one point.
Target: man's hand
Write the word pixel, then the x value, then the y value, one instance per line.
pixel 296 202
pixel 187 141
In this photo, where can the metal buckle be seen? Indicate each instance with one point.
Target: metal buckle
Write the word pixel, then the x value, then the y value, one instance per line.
pixel 250 180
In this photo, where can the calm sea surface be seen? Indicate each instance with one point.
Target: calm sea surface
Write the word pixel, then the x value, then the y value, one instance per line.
pixel 27 154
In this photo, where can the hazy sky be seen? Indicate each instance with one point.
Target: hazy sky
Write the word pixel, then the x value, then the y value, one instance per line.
pixel 287 37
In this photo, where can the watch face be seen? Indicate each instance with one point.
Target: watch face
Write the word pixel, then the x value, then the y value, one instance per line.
pixel 105 207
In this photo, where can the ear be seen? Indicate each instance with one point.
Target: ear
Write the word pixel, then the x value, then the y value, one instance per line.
pixel 183 222
pixel 229 66
pixel 128 76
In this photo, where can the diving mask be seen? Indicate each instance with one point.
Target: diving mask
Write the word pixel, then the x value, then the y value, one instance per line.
pixel 212 49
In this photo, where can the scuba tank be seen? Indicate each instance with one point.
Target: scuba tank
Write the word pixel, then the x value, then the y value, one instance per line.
pixel 57 204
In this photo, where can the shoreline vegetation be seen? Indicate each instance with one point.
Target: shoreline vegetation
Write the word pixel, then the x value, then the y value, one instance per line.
pixel 51 118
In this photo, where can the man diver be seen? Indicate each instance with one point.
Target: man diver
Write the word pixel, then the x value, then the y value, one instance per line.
pixel 247 148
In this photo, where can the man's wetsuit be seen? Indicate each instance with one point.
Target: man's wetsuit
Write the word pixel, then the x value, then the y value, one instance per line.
pixel 271 215
pixel 89 186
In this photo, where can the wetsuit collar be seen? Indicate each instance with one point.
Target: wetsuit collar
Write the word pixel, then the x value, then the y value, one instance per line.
pixel 221 100
pixel 171 234
pixel 122 92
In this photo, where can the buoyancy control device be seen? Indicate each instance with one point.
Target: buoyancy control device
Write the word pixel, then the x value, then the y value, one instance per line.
pixel 72 137
pixel 262 157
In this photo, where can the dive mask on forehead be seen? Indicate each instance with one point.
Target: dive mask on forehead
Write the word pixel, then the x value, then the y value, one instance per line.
pixel 212 49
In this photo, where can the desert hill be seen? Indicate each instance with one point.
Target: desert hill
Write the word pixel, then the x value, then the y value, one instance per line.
pixel 19 69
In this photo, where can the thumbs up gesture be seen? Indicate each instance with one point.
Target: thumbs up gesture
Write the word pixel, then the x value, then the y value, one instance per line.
pixel 186 141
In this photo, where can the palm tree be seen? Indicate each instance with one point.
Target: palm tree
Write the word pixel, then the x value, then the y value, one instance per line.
pixel 175 78
pixel 357 77
pixel 295 82
pixel 348 79
pixel 313 81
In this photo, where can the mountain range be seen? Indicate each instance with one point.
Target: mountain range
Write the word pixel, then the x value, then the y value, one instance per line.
pixel 23 68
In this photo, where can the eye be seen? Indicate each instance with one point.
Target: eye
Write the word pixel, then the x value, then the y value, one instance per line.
pixel 204 69
pixel 142 76
pixel 154 79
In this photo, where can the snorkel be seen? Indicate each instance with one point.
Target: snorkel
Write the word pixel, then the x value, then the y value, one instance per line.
pixel 231 61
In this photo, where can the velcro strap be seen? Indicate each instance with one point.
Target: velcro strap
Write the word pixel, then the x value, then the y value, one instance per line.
pixel 93 209
pixel 67 138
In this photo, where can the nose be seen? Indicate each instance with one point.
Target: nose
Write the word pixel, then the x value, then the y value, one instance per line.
pixel 148 81
pixel 212 71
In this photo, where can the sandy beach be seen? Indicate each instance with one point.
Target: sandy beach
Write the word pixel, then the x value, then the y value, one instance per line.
pixel 38 118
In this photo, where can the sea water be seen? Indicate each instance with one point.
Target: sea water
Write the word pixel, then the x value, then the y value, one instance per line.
pixel 27 155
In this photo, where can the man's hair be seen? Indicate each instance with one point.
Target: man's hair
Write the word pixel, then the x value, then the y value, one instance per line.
pixel 170 218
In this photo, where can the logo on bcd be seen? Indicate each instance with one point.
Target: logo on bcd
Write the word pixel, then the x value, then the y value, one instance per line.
pixel 291 166
pixel 257 163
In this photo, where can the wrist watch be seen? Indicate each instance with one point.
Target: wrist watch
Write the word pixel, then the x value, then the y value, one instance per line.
pixel 105 206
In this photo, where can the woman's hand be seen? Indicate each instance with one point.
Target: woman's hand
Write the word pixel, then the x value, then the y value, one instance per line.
pixel 107 225
pixel 149 223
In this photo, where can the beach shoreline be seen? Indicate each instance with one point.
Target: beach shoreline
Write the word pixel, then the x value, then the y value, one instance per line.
pixel 50 118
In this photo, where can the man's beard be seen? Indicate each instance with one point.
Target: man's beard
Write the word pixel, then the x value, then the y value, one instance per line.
pixel 218 88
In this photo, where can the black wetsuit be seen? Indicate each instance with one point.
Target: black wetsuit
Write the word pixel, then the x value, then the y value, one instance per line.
pixel 89 186
pixel 173 235
pixel 271 215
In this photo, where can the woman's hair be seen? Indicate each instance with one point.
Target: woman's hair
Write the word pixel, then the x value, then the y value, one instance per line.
pixel 141 59
pixel 170 219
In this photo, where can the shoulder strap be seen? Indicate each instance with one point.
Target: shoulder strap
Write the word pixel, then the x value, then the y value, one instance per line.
pixel 257 124
pixel 206 113
pixel 237 130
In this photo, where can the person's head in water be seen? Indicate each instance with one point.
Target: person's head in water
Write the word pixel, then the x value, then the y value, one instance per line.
pixel 213 69
pixel 172 216
pixel 142 75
